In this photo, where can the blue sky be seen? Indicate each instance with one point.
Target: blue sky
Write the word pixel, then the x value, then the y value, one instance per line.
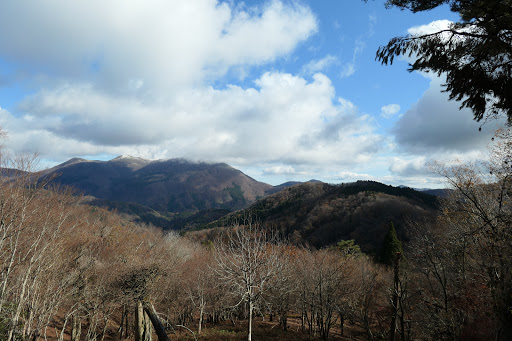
pixel 282 90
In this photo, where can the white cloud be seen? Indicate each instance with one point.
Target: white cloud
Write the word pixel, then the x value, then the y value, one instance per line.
pixel 133 77
pixel 433 27
pixel 348 70
pixel 351 176
pixel 150 47
pixel 389 110
pixel 435 128
pixel 318 65
pixel 282 118
pixel 280 170
pixel 430 28
pixel 409 167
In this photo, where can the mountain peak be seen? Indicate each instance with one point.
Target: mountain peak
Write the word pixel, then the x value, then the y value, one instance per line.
pixel 70 162
pixel 128 157
pixel 174 185
pixel 132 162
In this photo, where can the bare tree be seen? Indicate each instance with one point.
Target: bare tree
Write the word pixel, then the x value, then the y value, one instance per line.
pixel 248 260
pixel 35 222
pixel 320 277
pixel 283 294
pixel 462 263
pixel 199 282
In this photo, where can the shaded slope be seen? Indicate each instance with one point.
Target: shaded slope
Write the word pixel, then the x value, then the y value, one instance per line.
pixel 173 185
pixel 323 214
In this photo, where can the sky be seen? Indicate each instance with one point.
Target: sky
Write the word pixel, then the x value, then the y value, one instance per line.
pixel 282 90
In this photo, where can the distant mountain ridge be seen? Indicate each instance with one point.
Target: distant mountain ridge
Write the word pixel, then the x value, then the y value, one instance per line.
pixel 175 185
pixel 182 194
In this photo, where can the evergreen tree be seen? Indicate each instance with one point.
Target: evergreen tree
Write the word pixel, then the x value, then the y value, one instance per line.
pixel 390 247
pixel 349 247
pixel 474 53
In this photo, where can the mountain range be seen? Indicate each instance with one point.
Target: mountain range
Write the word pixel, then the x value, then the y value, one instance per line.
pixel 165 193
pixel 181 194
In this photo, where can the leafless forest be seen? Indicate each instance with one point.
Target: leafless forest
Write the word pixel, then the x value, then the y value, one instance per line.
pixel 73 272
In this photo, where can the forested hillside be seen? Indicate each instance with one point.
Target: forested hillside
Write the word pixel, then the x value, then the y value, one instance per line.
pixel 321 214
pixel 175 185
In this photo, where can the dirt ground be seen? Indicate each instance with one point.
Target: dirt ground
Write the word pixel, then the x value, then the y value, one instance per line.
pixel 263 330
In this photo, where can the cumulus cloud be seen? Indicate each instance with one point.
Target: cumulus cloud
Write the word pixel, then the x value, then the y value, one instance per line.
pixel 435 124
pixel 283 117
pixel 134 78
pixel 156 45
pixel 432 27
pixel 435 128
pixel 410 167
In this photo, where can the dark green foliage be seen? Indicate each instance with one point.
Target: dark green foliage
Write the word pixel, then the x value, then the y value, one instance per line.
pixel 406 192
pixel 198 220
pixel 474 53
pixel 349 247
pixel 390 247
pixel 237 196
pixel 140 213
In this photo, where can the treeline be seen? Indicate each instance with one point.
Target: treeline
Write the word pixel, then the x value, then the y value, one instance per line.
pixel 71 271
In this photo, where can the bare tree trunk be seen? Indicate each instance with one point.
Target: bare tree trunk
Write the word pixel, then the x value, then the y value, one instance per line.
pixel 105 327
pixel 283 317
pixel 127 329
pixel 123 326
pixel 27 329
pixel 249 335
pixel 395 301
pixel 159 328
pixel 77 328
pixel 15 319
pixel 366 322
pixel 201 311
pixel 139 322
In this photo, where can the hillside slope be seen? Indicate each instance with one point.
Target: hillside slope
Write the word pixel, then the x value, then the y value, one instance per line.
pixel 175 185
pixel 322 214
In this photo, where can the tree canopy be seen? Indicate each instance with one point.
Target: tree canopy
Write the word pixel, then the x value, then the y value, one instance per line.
pixel 475 53
pixel 391 246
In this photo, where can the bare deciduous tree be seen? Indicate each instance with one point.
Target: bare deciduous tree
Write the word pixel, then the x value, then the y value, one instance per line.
pixel 248 260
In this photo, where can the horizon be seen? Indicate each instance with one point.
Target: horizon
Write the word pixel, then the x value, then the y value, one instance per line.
pixel 281 90
pixel 218 162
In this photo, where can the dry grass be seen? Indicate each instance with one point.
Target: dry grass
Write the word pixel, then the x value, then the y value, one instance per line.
pixel 264 331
